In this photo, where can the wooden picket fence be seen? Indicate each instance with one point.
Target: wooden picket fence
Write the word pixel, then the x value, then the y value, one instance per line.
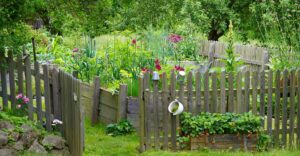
pixel 255 57
pixel 53 94
pixel 274 95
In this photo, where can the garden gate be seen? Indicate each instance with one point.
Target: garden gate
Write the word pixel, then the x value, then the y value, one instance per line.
pixel 57 97
pixel 274 95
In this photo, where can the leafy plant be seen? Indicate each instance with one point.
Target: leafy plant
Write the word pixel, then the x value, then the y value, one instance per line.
pixel 124 127
pixel 264 141
pixel 231 61
pixel 217 123
pixel 183 142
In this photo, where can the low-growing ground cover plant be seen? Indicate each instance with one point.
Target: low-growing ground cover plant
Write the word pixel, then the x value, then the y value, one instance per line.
pixel 123 127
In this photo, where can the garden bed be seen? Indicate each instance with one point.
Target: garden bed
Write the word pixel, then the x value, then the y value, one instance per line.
pixel 224 142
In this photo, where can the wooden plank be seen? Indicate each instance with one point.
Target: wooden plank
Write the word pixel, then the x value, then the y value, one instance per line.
pixel 214 94
pixel 20 74
pixel 262 95
pixel 173 117
pixel 198 93
pixel 298 108
pixel 4 88
pixel 96 99
pixel 292 107
pixel 38 92
pixel 247 91
pixel 141 114
pixel 269 110
pixel 206 92
pixel 230 93
pixel 223 92
pixel 238 106
pixel 122 102
pixel 277 108
pixel 190 92
pixel 12 86
pixel 254 91
pixel 284 107
pixel 29 87
pixel 147 110
pixel 47 97
pixel 165 104
pixel 156 114
pixel 55 91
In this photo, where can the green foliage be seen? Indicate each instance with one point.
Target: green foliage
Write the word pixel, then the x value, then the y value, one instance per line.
pixel 124 127
pixel 183 141
pixel 264 141
pixel 216 123
pixel 231 61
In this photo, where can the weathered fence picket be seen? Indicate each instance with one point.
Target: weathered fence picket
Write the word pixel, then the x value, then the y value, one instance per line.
pixel 56 97
pixel 272 95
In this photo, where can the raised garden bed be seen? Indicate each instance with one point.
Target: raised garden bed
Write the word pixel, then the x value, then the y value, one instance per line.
pixel 224 142
pixel 228 131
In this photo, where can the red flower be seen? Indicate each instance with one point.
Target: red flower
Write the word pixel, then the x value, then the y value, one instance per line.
pixel 144 70
pixel 178 68
pixel 158 67
pixel 133 41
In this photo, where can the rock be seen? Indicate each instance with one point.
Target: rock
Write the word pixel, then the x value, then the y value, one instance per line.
pixel 63 152
pixel 6 125
pixel 3 138
pixel 26 128
pixel 54 141
pixel 7 152
pixel 37 148
pixel 18 146
pixel 28 137
pixel 15 136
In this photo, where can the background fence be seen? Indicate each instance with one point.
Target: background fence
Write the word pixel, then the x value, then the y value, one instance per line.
pixel 272 94
pixel 255 57
pixel 53 94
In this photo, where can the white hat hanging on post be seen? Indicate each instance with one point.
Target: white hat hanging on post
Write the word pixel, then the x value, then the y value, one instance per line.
pixel 176 107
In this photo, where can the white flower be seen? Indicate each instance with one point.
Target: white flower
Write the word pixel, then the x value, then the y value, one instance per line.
pixel 182 73
pixel 57 122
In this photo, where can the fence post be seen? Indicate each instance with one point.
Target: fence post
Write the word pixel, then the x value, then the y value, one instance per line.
pixel 29 86
pixel 265 59
pixel 12 80
pixel 211 52
pixel 20 73
pixel 4 88
pixel 47 96
pixel 122 102
pixel 96 100
pixel 142 114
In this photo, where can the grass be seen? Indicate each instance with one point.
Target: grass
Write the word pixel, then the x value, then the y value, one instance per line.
pixel 97 143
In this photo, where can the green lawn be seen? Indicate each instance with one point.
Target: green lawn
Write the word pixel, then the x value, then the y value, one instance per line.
pixel 99 144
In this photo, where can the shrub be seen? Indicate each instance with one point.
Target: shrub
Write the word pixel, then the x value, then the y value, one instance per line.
pixel 217 123
pixel 124 127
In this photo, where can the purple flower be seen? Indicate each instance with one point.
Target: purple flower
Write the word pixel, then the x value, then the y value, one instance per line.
pixel 174 38
pixel 133 41
pixel 19 96
pixel 25 99
pixel 75 50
